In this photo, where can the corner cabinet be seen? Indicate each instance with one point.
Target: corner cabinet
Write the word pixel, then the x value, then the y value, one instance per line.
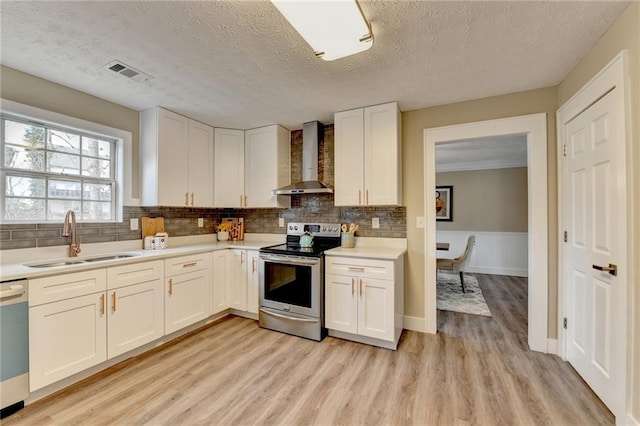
pixel 176 160
pixel 249 165
pixel 368 156
pixel 364 300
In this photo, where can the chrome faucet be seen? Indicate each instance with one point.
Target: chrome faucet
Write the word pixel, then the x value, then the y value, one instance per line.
pixel 74 248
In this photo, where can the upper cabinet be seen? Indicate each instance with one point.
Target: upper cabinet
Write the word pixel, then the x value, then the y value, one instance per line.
pixel 368 156
pixel 249 165
pixel 176 159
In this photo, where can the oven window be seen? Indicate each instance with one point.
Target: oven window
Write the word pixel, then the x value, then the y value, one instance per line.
pixel 288 284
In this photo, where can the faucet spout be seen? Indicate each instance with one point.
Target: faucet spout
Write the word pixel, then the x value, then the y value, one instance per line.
pixel 74 247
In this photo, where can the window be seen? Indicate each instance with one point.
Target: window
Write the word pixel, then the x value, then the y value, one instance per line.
pixel 47 170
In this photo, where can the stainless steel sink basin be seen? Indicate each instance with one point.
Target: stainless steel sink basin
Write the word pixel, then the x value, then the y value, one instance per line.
pixel 54 263
pixel 110 257
pixel 66 262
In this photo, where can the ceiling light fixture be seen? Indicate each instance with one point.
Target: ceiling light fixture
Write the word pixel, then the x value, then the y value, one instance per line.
pixel 334 29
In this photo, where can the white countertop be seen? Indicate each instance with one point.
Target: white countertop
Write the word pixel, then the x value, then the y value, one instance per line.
pixel 17 269
pixel 373 248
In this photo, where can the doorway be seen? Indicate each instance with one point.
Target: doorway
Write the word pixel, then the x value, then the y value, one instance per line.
pixel 534 127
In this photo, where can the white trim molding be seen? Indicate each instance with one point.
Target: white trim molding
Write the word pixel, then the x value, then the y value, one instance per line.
pixel 414 323
pixel 534 126
pixel 552 346
pixel 614 75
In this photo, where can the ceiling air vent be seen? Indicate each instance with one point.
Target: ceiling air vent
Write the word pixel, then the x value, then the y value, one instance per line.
pixel 127 71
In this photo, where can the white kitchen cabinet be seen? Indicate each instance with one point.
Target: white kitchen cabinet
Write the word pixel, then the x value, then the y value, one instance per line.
pixel 267 166
pixel 187 291
pixel 368 160
pixel 219 290
pixel 135 306
pixel 249 165
pixel 237 281
pixel 364 299
pixel 228 168
pixel 253 281
pixel 176 160
pixel 67 328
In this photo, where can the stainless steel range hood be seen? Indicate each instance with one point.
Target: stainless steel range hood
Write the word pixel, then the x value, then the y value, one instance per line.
pixel 312 133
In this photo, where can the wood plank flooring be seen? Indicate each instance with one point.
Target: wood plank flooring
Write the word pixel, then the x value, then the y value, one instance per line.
pixel 475 371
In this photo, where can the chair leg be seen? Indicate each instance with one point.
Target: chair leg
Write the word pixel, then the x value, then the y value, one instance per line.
pixel 464 290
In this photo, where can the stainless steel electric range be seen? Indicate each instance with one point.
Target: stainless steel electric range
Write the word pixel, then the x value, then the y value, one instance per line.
pixel 292 281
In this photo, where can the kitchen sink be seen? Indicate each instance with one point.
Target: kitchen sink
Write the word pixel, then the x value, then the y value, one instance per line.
pixel 110 257
pixel 66 262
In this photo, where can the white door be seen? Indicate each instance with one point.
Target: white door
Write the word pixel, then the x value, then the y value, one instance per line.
pixel 237 279
pixel 349 157
pixel 200 165
pixel 186 299
pixel 341 303
pixel 376 308
pixel 596 217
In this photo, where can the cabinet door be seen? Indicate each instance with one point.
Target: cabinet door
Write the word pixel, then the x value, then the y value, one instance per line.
pixel 349 158
pixel 237 283
pixel 341 303
pixel 65 338
pixel 228 168
pixel 135 316
pixel 219 295
pixel 382 178
pixel 253 281
pixel 173 158
pixel 200 169
pixel 186 299
pixel 267 166
pixel 375 308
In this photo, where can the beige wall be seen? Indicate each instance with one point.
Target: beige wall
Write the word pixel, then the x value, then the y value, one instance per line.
pixel 30 90
pixel 413 125
pixel 623 34
pixel 487 200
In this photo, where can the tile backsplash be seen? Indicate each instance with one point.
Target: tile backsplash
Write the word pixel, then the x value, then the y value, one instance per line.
pixel 183 221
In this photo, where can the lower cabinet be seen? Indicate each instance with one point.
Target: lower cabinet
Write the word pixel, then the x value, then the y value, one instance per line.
pixel 135 306
pixel 364 298
pixel 187 291
pixel 237 280
pixel 219 290
pixel 253 281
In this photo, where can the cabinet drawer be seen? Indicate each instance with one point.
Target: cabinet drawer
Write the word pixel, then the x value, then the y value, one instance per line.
pixel 184 264
pixel 60 287
pixel 372 268
pixel 121 276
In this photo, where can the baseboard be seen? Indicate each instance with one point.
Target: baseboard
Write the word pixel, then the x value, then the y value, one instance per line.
pixel 552 346
pixel 631 421
pixel 512 272
pixel 414 324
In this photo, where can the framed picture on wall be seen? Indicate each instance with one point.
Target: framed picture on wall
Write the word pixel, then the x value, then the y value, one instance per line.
pixel 444 203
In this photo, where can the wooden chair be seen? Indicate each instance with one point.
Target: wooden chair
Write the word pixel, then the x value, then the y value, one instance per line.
pixel 458 264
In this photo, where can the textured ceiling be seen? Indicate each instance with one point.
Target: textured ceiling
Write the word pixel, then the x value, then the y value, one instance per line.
pixel 495 152
pixel 240 64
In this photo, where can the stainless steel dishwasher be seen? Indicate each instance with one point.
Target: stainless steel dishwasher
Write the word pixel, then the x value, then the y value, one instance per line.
pixel 14 345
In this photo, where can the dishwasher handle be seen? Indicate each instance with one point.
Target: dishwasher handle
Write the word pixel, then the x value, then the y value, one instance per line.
pixel 13 291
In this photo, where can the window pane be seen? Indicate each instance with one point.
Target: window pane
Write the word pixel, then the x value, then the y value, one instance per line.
pixel 23 209
pixel 96 210
pixel 58 208
pixel 96 147
pixel 20 186
pixel 94 191
pixel 23 134
pixel 64 189
pixel 63 163
pixel 96 168
pixel 62 141
pixel 18 157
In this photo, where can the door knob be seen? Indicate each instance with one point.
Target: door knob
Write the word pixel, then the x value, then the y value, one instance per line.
pixel 611 269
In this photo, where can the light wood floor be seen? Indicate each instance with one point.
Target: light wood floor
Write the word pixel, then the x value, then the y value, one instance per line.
pixel 475 371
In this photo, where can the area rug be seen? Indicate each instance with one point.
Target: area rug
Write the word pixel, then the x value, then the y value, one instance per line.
pixel 451 297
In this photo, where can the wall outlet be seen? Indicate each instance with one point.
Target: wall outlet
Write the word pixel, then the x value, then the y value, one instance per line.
pixel 133 224
pixel 281 222
pixel 420 222
pixel 375 222
pixel 200 222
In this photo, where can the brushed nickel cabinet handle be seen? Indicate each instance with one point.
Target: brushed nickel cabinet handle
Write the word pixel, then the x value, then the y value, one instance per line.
pixel 186 198
pixel 361 288
pixel 356 268
pixel 102 304
pixel 192 199
pixel 189 265
pixel 113 301
pixel 359 196
pixel 367 197
pixel 245 201
pixel 253 264
pixel 241 257
pixel 352 286
pixel 170 286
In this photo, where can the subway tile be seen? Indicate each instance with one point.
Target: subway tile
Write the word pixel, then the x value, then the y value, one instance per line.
pixel 24 235
pixel 49 242
pixel 13 226
pixel 5 235
pixel 17 244
pixel 99 239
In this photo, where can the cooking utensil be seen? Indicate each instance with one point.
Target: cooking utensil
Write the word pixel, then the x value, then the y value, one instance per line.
pixel 352 227
pixel 344 228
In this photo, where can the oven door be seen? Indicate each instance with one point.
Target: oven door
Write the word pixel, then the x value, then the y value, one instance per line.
pixel 291 284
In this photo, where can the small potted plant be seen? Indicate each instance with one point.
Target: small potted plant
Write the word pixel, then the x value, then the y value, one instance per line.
pixel 223 231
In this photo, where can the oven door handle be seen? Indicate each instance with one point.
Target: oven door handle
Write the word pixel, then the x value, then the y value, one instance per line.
pixel 289 261
pixel 287 317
